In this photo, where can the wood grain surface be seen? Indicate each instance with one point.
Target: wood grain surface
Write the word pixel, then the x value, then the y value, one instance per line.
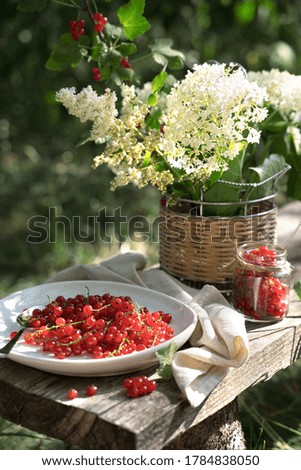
pixel 110 420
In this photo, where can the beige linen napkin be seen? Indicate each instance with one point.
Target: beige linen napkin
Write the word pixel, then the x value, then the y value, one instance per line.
pixel 219 341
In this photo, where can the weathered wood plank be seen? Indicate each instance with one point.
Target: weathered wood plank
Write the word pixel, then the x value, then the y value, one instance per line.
pixel 109 420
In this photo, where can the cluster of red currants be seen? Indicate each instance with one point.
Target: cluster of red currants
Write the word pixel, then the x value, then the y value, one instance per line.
pixel 259 292
pixel 99 22
pixel 97 75
pixel 102 326
pixel 138 386
pixel 76 28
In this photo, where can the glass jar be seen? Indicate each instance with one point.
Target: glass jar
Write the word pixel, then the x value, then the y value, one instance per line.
pixel 261 285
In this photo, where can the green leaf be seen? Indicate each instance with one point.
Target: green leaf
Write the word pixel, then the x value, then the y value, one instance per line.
pixel 160 59
pixel 32 6
pixel 126 74
pixel 153 119
pixel 152 100
pixel 66 52
pixel 274 122
pixel 157 85
pixel 114 57
pixel 99 51
pixel 165 356
pixel 164 54
pixel 127 48
pixel 105 73
pixel 115 77
pixel 146 160
pixel 176 63
pixel 269 168
pixel 297 287
pixel 223 192
pixel 112 32
pixel 159 81
pixel 132 19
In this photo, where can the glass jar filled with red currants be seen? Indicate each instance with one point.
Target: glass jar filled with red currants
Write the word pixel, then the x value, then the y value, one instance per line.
pixel 261 285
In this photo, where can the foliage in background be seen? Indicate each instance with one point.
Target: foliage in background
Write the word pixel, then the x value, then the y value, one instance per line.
pixel 41 165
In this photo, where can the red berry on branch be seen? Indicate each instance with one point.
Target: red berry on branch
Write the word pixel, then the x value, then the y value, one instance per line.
pixel 100 22
pixel 125 63
pixel 76 28
pixel 96 74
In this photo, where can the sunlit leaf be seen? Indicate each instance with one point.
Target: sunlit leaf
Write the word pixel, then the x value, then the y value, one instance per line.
pixel 159 81
pixel 132 19
pixel 152 99
pixel 165 357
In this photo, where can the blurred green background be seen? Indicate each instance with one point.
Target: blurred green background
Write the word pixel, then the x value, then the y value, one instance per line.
pixel 41 165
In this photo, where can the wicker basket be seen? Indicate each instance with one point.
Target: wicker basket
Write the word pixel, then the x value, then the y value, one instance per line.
pixel 201 250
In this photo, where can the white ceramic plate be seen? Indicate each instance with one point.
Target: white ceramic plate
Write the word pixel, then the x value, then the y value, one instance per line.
pixel 183 322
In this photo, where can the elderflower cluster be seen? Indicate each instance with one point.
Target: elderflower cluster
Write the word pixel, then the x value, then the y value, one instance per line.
pixel 88 106
pixel 283 90
pixel 206 121
pixel 131 146
pixel 209 118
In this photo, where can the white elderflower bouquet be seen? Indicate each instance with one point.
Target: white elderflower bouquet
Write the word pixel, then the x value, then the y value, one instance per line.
pixel 187 141
pixel 281 130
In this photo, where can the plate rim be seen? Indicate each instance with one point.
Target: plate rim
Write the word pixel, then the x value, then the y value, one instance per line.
pixel 73 362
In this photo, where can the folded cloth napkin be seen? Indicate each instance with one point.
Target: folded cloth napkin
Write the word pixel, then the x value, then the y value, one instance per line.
pixel 219 341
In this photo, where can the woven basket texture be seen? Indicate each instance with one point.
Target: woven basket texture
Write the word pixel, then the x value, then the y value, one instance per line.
pixel 202 250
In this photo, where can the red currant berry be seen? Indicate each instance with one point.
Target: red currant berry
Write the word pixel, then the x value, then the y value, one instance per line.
pixel 125 63
pixel 72 393
pixel 91 390
pixel 88 310
pixel 96 74
pixel 100 22
pixel 167 317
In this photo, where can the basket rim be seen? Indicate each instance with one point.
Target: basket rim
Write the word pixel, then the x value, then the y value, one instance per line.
pixel 220 217
pixel 228 203
pixel 278 174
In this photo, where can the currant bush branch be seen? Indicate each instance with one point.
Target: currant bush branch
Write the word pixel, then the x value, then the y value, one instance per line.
pixel 108 45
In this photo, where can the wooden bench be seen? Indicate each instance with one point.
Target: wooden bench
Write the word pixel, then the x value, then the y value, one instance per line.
pixel 162 420
pixel 109 420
